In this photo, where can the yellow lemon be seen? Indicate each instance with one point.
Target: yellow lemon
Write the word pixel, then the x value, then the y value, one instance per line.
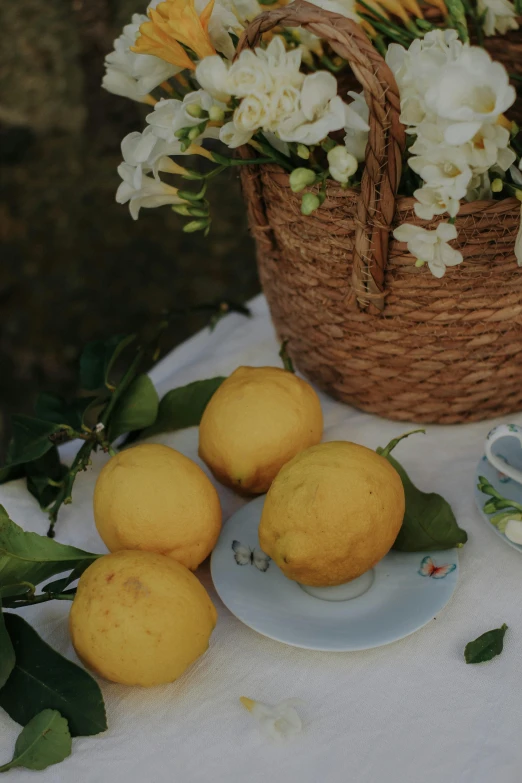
pixel 257 420
pixel 332 513
pixel 140 619
pixel 152 497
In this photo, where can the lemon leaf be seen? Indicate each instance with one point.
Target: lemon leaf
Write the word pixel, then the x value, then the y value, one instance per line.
pixel 183 407
pixel 43 677
pixel 44 741
pixel 485 647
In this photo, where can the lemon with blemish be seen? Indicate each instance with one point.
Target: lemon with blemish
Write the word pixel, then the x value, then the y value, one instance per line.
pixel 140 618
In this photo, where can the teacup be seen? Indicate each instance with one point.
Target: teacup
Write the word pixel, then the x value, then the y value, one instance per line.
pixel 503 431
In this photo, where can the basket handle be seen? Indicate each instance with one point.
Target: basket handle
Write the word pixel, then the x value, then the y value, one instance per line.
pixel 382 172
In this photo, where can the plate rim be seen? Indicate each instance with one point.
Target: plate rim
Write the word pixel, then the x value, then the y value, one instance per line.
pixel 333 649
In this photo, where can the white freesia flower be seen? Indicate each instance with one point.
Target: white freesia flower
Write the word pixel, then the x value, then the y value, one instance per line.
pixel 212 75
pixel 244 10
pixel 279 722
pixel 150 193
pixel 518 242
pixel 431 246
pixel 249 74
pixel 357 115
pixel 134 75
pixel 342 164
pixel 445 168
pixel 469 92
pixel 172 115
pixel 283 65
pixel 148 153
pixel 516 176
pixel 322 111
pixel 285 102
pixel 434 201
pixel 499 16
pixel 252 113
pixel 233 136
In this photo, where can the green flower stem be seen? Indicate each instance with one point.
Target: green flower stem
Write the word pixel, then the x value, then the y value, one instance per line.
pixel 80 462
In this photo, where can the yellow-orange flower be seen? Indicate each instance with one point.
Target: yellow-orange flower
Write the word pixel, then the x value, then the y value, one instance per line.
pixel 172 23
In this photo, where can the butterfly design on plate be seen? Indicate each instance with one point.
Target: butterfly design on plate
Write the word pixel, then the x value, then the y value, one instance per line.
pixel 244 555
pixel 428 568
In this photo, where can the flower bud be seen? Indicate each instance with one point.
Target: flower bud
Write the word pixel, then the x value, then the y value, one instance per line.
pixel 195 110
pixel 309 202
pixel 196 225
pixel 497 185
pixel 303 151
pixel 342 163
pixel 216 114
pixel 419 262
pixel 301 178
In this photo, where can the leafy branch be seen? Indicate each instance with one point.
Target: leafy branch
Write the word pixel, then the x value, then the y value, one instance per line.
pixel 114 408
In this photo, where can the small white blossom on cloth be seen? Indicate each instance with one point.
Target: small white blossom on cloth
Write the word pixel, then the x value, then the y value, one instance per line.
pixel 278 722
pixel 500 16
pixel 431 247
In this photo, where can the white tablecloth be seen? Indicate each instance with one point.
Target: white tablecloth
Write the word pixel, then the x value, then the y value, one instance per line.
pixel 410 712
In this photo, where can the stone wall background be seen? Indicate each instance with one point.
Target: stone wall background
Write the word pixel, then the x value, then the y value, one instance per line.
pixel 74 266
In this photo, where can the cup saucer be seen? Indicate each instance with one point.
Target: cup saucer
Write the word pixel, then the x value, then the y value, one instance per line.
pixel 407 591
pixel 509 452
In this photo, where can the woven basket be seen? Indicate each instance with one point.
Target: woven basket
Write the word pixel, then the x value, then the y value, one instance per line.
pixel 361 319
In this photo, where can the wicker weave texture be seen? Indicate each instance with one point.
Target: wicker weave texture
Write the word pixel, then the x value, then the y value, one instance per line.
pixel 443 350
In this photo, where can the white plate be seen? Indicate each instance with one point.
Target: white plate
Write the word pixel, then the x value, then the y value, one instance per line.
pixel 399 602
pixel 509 451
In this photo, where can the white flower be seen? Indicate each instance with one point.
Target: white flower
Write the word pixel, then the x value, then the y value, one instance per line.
pixel 357 115
pixel 434 201
pixel 283 66
pixel 212 75
pixel 252 113
pixel 279 722
pixel 446 168
pixel 134 75
pixel 518 242
pixel 285 102
pixel 341 163
pixel 516 176
pixel 232 136
pixel 172 115
pixel 431 246
pixel 500 16
pixel 468 92
pixel 147 153
pixel 322 111
pixel 150 193
pixel 244 10
pixel 249 74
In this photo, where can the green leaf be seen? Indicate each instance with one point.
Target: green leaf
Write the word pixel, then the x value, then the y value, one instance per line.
pixel 97 360
pixel 43 678
pixel 40 472
pixel 59 585
pixel 137 408
pixel 44 741
pixel 7 654
pixel 183 407
pixel 485 647
pixel 429 523
pixel 11 472
pixel 30 439
pixel 50 407
pixel 29 557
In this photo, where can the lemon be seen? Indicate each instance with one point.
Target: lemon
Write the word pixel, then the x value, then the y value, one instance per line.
pixel 152 497
pixel 140 619
pixel 257 420
pixel 332 513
